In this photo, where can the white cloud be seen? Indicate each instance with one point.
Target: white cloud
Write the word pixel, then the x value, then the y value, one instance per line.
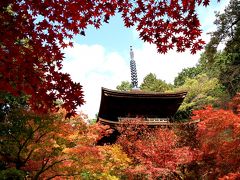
pixel 94 68
pixel 165 66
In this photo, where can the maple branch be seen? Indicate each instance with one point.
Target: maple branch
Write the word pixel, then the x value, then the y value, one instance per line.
pixel 21 147
pixel 15 138
pixel 26 141
pixel 43 169
pixel 53 164
pixel 28 157
pixel 40 137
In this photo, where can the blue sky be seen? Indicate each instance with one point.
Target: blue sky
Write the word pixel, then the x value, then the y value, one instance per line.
pixel 112 36
pixel 101 58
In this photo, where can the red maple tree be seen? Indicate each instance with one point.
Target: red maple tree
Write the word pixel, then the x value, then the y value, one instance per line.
pixel 218 134
pixel 32 34
pixel 155 151
pixel 50 146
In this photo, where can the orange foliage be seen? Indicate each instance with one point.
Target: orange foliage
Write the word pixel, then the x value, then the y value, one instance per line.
pixel 154 151
pixel 231 176
pixel 52 146
pixel 218 134
pixel 235 104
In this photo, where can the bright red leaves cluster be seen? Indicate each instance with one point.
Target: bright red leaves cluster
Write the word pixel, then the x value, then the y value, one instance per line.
pixel 218 134
pixel 154 151
pixel 32 34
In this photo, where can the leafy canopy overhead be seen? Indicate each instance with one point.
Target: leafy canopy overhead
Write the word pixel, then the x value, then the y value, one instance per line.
pixel 32 34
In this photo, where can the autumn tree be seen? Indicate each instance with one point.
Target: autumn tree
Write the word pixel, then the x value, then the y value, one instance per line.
pixel 26 137
pixel 154 151
pixel 31 56
pixel 218 134
pixel 48 146
pixel 32 143
pixel 235 104
pixel 115 162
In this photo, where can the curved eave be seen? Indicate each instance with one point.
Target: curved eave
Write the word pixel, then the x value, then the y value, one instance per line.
pixel 115 104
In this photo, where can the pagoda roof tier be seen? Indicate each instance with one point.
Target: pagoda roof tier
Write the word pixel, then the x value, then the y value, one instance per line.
pixel 119 104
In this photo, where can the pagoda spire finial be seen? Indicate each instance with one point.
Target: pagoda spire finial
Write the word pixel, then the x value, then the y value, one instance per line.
pixel 133 69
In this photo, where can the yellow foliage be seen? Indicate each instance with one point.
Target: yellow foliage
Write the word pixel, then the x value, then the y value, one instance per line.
pixel 115 161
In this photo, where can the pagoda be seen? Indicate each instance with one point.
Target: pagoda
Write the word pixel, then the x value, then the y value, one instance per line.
pixel 153 107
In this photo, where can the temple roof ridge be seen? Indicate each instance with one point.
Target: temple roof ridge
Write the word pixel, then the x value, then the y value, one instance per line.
pixel 179 93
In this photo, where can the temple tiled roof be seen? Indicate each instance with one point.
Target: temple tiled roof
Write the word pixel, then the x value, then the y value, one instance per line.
pixel 119 104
